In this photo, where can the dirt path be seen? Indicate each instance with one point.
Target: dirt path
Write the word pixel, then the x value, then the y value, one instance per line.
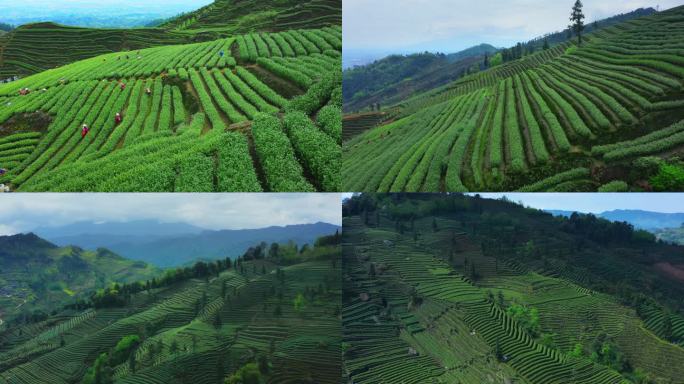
pixel 19 306
pixel 674 271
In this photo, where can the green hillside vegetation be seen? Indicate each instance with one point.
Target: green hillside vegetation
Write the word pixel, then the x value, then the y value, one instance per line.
pixel 36 276
pixel 458 289
pixel 33 48
pixel 229 16
pixel 36 47
pixel 270 317
pixel 567 118
pixel 210 123
pixel 397 77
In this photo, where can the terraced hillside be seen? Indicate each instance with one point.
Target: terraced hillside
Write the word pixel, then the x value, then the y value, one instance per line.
pixel 255 320
pixel 36 47
pixel 354 125
pixel 33 48
pixel 464 290
pixel 257 112
pixel 252 15
pixel 568 118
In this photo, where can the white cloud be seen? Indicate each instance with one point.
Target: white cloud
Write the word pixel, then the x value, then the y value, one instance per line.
pixel 451 25
pixel 22 212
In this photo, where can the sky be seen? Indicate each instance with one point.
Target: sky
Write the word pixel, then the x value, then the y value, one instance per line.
pixel 25 212
pixel 78 6
pixel 94 12
pixel 598 202
pixel 404 26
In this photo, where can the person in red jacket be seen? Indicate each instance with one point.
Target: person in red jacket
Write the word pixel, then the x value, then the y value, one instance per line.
pixel 117 118
pixel 122 85
pixel 84 131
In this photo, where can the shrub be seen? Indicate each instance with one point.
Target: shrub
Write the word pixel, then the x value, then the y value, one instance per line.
pixel 320 153
pixel 670 177
pixel 614 186
pixel 283 172
pixel 330 120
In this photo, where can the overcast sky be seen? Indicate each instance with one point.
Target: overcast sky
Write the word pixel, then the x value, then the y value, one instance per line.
pixel 24 212
pixel 598 202
pixel 403 26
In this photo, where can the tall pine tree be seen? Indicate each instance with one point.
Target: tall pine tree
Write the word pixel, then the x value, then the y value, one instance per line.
pixel 577 19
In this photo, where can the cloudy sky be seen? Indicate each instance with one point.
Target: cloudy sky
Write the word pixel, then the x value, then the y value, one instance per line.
pixel 24 212
pixel 598 202
pixel 402 26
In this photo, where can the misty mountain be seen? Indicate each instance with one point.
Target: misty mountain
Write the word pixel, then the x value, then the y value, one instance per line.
pixel 167 245
pixel 37 274
pixel 647 220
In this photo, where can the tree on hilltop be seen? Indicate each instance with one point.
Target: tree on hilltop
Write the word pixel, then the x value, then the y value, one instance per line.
pixel 577 19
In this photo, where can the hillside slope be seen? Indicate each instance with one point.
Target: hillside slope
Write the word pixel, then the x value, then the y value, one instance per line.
pixel 275 323
pixel 33 48
pixel 187 113
pixel 38 275
pixel 568 118
pixel 242 16
pixel 397 77
pixel 36 47
pixel 462 289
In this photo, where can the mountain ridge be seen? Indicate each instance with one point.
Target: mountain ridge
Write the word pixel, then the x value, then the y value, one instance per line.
pixel 642 219
pixel 180 248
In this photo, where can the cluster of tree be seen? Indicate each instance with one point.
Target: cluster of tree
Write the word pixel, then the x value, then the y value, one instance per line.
pixel 605 351
pixel 605 231
pixel 526 317
pixel 250 373
pixel 331 240
pixel 102 370
pixel 6 27
pixel 34 316
pixel 120 294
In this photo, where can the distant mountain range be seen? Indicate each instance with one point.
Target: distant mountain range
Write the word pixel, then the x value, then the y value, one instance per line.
pixel 174 244
pixel 650 221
